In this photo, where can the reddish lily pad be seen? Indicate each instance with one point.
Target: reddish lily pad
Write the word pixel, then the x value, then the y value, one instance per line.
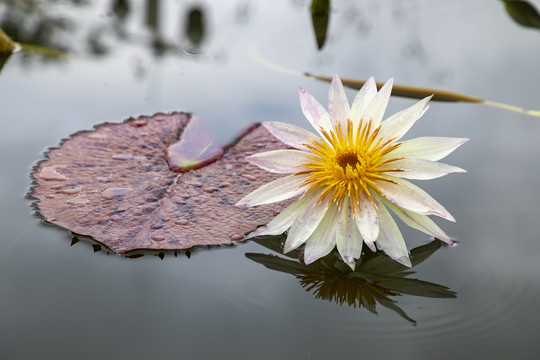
pixel 114 184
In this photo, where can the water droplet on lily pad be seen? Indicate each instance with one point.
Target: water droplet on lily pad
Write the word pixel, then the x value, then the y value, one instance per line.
pixel 158 237
pixel 111 193
pixel 51 173
pixel 79 200
pixel 71 190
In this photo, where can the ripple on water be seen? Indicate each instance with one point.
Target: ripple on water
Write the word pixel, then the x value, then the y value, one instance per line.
pixel 485 319
pixel 488 313
pixel 488 316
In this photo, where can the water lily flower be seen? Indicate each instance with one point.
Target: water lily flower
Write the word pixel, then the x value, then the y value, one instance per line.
pixel 351 174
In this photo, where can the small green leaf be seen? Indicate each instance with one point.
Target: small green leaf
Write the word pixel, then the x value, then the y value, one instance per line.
pixel 523 13
pixel 320 16
pixel 6 44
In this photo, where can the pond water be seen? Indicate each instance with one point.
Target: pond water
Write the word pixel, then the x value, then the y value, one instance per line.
pixel 219 60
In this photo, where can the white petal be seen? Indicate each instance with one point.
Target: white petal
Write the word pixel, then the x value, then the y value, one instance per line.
pixel 279 161
pixel 277 190
pixel 348 238
pixel 421 169
pixel 323 239
pixel 376 108
pixel 367 221
pixel 411 197
pixel 428 148
pixel 285 219
pixel 304 224
pixel 362 99
pixel 419 222
pixel 314 112
pixel 398 124
pixel 291 135
pixel 338 105
pixel 390 239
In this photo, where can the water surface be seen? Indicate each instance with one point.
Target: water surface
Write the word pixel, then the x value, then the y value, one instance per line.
pixel 130 58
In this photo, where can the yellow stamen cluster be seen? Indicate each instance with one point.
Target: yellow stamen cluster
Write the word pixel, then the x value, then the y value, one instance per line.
pixel 348 163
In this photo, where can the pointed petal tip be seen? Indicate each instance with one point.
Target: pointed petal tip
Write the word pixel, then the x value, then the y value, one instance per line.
pixel 370 81
pixel 336 83
pixel 443 213
pixel 288 247
pixel 240 202
pixel 350 262
pixel 448 240
pixel 261 230
pixel 448 217
pixel 405 261
pixel 389 82
pixel 463 141
pixel 371 246
pixel 426 107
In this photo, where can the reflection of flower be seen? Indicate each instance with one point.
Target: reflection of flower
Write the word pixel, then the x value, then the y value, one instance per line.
pixel 350 174
pixel 375 280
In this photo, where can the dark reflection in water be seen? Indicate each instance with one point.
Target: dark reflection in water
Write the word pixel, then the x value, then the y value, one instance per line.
pixel 195 28
pixel 28 22
pixel 320 16
pixel 41 27
pixel 376 280
pixel 3 60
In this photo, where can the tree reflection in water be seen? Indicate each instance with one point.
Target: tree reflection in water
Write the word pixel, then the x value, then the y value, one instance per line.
pixel 95 30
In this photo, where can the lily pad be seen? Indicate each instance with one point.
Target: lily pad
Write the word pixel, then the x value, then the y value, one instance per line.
pixel 124 184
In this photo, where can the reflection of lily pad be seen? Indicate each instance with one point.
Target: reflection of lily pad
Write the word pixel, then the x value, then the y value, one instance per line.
pixel 115 185
pixel 374 281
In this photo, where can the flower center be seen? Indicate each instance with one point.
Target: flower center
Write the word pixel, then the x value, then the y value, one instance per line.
pixel 348 157
pixel 348 163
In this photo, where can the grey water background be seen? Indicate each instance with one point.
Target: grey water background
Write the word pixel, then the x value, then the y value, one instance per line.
pixel 128 58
